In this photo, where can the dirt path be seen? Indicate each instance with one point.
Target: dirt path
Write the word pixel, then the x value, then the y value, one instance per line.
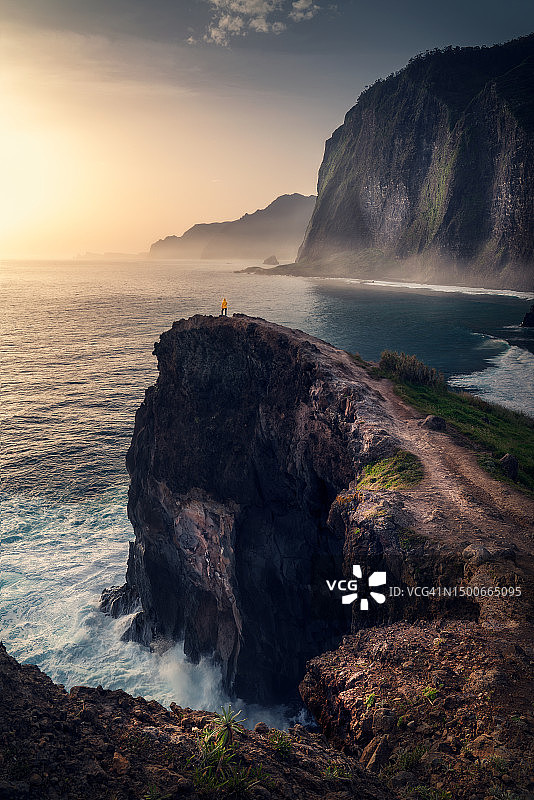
pixel 457 499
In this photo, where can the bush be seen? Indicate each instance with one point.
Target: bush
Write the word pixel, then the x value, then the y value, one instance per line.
pixel 409 369
pixel 280 742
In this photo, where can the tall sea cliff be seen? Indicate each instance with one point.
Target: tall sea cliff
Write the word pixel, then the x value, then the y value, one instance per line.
pixel 431 175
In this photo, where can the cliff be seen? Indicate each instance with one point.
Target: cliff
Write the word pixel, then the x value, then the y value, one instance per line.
pixel 237 454
pixel 278 228
pixel 431 175
pixel 93 744
pixel 265 466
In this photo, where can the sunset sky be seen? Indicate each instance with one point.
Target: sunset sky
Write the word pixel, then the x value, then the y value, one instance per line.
pixel 123 121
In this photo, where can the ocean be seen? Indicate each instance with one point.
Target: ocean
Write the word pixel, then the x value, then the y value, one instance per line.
pixel 77 340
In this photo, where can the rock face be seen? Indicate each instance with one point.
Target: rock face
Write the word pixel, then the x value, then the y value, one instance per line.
pixel 238 453
pixel 430 705
pixel 431 175
pixel 93 744
pixel 277 228
pixel 528 319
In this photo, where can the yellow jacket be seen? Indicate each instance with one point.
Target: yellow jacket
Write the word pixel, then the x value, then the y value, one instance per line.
pixel 224 304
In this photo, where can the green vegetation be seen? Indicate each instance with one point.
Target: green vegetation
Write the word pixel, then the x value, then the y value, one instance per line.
pixel 430 693
pixel 491 427
pixel 228 778
pixel 401 471
pixel 280 742
pixel 370 700
pixel 408 539
pixel 405 761
pixel 218 768
pixel 336 771
pixel 226 725
pixel 487 425
pixel 408 369
pixel 498 763
pixel 153 793
pixel 409 759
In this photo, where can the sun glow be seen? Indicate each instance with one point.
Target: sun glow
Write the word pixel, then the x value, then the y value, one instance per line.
pixel 108 146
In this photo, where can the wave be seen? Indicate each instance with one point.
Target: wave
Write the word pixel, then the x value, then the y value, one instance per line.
pixel 55 559
pixel 508 380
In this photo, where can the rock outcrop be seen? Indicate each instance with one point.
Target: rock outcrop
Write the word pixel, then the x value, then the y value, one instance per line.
pixel 279 228
pixel 238 453
pixel 266 465
pixel 431 175
pixel 528 319
pixel 439 705
pixel 432 691
pixel 93 744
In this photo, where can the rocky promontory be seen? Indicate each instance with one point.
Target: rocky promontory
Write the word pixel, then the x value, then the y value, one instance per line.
pixel 265 466
pixel 278 228
pixel 238 452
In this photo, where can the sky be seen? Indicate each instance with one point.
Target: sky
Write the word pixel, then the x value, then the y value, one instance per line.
pixel 123 121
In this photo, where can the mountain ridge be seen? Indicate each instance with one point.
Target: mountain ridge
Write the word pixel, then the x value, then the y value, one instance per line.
pixel 278 228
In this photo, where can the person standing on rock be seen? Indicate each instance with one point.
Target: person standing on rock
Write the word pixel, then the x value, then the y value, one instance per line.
pixel 224 308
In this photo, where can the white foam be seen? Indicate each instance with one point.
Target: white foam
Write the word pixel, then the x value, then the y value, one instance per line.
pixel 508 380
pixel 433 287
pixel 55 559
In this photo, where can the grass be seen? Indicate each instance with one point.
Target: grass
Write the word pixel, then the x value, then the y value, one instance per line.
pixel 409 369
pixel 409 759
pixel 337 772
pixel 400 471
pixel 405 761
pixel 490 427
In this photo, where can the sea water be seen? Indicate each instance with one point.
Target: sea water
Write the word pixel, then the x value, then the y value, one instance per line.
pixel 77 345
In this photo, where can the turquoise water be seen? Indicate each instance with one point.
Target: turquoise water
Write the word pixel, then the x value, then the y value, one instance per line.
pixel 77 346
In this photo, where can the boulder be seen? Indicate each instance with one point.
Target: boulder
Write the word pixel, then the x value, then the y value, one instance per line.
pixel 510 466
pixel 434 423
pixel 528 319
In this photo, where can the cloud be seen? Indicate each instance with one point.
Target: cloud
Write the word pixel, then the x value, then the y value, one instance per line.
pixel 234 18
pixel 303 9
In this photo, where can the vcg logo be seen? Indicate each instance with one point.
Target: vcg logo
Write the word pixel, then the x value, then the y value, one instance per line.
pixel 350 587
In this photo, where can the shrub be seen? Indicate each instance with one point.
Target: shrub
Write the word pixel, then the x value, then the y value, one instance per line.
pixel 407 368
pixel 280 742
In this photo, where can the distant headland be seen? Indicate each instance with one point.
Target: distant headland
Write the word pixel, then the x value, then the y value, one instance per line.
pixel 277 229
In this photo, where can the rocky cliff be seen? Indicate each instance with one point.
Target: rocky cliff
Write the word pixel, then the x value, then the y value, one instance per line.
pixel 238 452
pixel 278 228
pixel 93 744
pixel 265 465
pixel 431 175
